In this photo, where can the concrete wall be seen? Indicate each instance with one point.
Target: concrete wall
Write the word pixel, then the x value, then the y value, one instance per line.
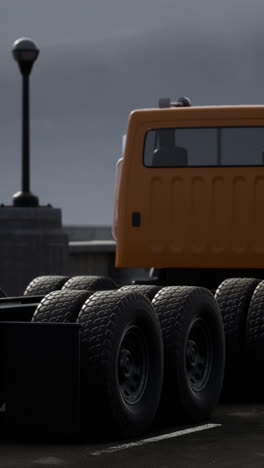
pixel 91 232
pixel 32 243
pixel 91 257
pixel 92 252
pixel 98 258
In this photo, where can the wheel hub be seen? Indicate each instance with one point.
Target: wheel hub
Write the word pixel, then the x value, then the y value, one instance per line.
pixel 198 355
pixel 126 362
pixel 132 365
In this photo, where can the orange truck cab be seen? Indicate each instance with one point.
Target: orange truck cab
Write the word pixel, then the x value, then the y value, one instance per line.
pixel 190 192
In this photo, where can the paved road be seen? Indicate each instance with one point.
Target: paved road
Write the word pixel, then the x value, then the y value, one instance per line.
pixel 236 440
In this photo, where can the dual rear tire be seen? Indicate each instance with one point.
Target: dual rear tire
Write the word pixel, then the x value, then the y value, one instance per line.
pixel 122 362
pixel 126 340
pixel 233 297
pixel 45 284
pixel 193 340
pixel 255 343
pixel 241 301
pixel 194 350
pixel 121 356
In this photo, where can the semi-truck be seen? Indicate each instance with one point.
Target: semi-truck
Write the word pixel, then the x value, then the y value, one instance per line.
pixel 84 354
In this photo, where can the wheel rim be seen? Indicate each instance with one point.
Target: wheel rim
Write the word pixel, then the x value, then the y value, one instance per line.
pixel 198 355
pixel 133 363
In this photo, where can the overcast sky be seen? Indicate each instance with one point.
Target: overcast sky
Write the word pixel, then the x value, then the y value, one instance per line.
pixel 99 60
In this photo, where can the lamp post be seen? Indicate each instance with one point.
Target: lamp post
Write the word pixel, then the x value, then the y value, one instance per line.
pixel 25 53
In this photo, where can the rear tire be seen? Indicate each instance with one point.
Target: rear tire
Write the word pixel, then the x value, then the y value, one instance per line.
pixel 255 338
pixel 194 352
pixel 90 283
pixel 121 363
pixel 45 284
pixel 147 290
pixel 233 297
pixel 60 306
pixel 2 293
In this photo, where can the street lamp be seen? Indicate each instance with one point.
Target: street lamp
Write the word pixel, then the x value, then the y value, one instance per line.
pixel 25 53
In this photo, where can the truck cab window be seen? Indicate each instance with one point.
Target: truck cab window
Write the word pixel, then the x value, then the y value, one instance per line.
pixel 243 146
pixel 194 147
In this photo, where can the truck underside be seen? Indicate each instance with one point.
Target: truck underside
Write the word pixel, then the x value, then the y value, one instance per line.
pixel 209 278
pixel 92 357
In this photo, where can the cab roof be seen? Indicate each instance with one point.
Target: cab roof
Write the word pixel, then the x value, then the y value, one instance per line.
pixel 239 112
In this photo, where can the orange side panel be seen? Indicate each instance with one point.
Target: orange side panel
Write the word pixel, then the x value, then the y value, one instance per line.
pixel 202 217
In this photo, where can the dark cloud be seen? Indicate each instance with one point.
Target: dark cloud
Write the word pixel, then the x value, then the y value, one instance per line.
pixel 98 61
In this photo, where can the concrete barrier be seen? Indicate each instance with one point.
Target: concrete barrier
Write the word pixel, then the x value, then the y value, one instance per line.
pixel 33 243
pixel 97 257
pixel 91 258
pixel 91 232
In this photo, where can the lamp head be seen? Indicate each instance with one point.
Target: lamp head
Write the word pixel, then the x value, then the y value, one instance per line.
pixel 25 52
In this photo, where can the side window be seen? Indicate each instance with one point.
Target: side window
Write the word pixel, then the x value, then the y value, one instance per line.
pixel 149 147
pixel 172 147
pixel 244 146
pixel 200 144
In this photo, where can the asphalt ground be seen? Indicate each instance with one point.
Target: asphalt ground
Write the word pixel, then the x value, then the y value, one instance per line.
pixel 234 437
